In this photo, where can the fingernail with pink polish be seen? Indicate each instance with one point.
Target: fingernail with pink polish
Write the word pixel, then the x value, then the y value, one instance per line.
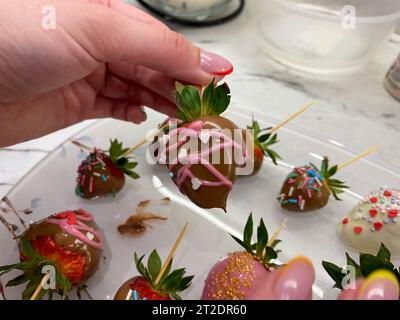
pixel 295 280
pixel 380 285
pixel 215 64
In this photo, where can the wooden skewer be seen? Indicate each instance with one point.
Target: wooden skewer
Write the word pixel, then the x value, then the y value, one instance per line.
pixel 142 142
pixel 171 254
pixel 81 145
pixel 277 232
pixel 294 115
pixel 137 146
pixel 40 286
pixel 361 155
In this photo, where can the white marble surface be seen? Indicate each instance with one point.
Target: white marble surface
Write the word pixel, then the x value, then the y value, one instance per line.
pixel 354 108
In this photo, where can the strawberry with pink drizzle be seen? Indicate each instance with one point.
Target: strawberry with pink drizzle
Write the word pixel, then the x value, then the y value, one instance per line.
pixel 240 275
pixel 69 241
pixel 203 150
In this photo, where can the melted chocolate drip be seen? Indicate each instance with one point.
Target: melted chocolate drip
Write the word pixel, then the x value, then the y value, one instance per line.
pixel 11 206
pixel 2 293
pixel 83 288
pixel 12 228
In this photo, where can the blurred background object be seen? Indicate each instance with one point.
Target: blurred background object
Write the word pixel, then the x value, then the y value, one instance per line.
pixel 195 12
pixel 327 36
pixel 392 80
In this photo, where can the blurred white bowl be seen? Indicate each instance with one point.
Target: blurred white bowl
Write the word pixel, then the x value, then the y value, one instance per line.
pixel 327 36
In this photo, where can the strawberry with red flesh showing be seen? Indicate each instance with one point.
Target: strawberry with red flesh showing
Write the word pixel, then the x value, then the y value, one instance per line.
pixel 145 287
pixel 237 276
pixel 205 181
pixel 68 241
pixel 261 145
pixel 103 173
pixel 308 188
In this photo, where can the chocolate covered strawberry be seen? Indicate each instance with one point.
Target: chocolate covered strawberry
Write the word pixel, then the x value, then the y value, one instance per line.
pixel 68 241
pixel 103 173
pixel 146 286
pixel 239 275
pixel 308 188
pixel 202 152
pixel 260 145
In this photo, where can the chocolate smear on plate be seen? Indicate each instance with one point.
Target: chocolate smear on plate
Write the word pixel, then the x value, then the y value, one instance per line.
pixel 135 225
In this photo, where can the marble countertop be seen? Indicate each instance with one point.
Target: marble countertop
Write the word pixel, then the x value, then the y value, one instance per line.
pixel 352 108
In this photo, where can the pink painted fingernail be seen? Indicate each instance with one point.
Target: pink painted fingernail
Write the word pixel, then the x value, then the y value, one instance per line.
pixel 380 285
pixel 295 280
pixel 215 64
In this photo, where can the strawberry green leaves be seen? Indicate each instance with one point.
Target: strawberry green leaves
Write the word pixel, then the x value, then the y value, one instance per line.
pixel 171 282
pixel 116 152
pixel 261 250
pixel 264 141
pixel 367 265
pixel 31 269
pixel 336 186
pixel 191 105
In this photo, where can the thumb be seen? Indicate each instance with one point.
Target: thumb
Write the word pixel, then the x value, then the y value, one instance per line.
pixel 294 281
pixel 111 35
pixel 379 285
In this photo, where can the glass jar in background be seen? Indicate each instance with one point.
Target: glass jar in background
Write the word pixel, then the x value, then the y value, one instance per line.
pixel 326 36
pixel 392 80
pixel 195 12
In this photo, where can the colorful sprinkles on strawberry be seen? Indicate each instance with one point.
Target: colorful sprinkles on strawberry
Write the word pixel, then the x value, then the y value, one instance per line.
pixel 103 172
pixel 308 188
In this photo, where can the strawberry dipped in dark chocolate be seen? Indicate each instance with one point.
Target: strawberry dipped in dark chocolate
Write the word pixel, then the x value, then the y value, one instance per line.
pixel 203 151
pixel 146 287
pixel 259 143
pixel 69 242
pixel 103 172
pixel 308 188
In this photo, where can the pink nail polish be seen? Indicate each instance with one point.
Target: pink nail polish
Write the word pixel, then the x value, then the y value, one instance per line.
pixel 379 288
pixel 215 64
pixel 295 280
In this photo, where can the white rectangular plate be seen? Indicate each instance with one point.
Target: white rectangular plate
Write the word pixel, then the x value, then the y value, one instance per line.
pixel 49 188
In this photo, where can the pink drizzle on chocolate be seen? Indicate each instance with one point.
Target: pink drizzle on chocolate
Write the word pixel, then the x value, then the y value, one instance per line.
pixel 193 130
pixel 73 223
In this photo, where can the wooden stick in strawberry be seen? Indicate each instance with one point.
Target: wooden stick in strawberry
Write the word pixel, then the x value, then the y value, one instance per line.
pixel 309 188
pixel 40 286
pixel 103 172
pixel 263 138
pixel 156 282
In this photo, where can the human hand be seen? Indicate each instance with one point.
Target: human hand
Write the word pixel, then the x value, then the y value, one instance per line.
pixel 379 285
pixel 290 282
pixel 104 59
pixel 294 282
